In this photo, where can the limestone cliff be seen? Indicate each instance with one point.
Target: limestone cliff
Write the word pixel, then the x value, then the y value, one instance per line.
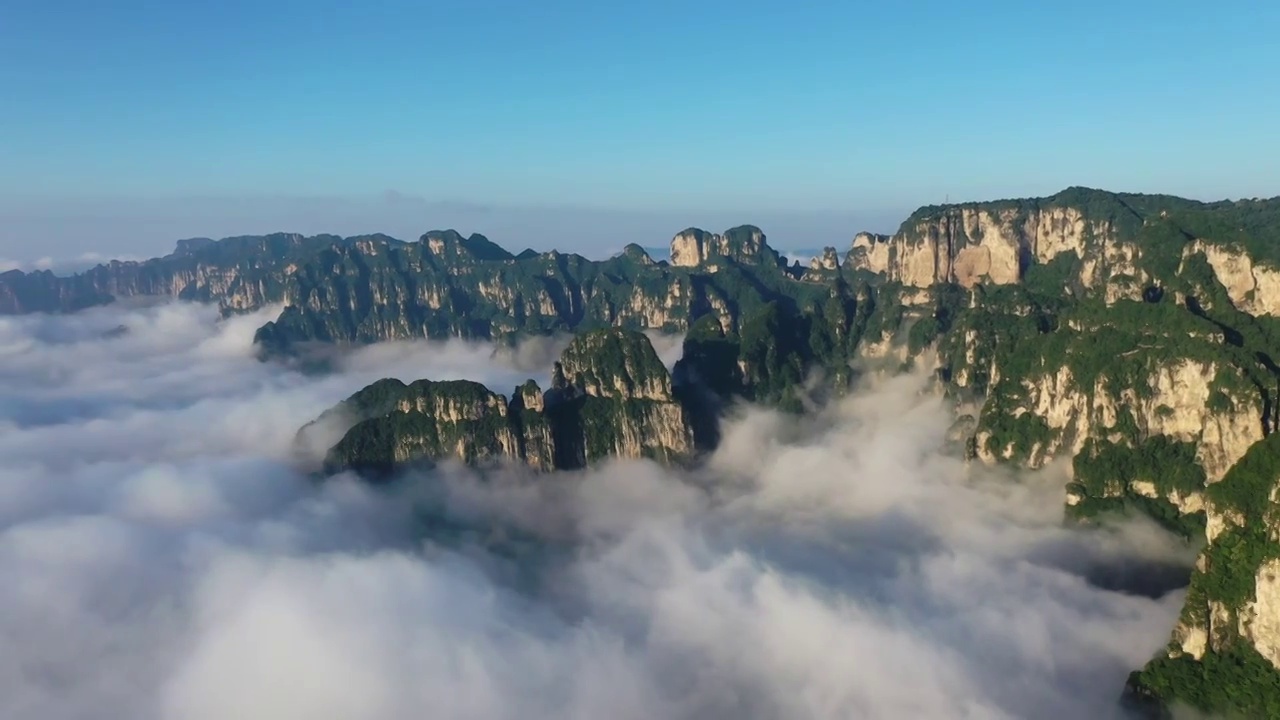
pixel 1224 653
pixel 743 244
pixel 828 260
pixel 537 442
pixel 1163 405
pixel 1150 400
pixel 1253 286
pixel 1107 245
pixel 997 243
pixel 611 397
pixel 458 419
pixel 611 364
pixel 1182 399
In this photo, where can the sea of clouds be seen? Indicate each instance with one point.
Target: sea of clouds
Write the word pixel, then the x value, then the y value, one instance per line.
pixel 163 558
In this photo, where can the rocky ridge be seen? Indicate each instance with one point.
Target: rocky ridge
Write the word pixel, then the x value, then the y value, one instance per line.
pixel 1132 337
pixel 610 397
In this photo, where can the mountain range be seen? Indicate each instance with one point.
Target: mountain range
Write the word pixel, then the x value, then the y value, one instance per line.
pixel 1133 337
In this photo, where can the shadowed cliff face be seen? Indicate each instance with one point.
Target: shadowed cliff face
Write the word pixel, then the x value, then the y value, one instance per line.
pixel 610 397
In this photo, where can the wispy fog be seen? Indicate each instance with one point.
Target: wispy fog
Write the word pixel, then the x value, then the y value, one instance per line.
pixel 164 560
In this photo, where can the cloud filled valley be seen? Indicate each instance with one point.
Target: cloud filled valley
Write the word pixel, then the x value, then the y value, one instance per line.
pixel 166 559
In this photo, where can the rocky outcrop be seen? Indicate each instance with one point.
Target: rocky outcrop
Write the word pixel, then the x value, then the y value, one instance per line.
pixel 744 244
pixel 1254 287
pixel 870 252
pixel 612 364
pixel 413 291
pixel 450 246
pixel 43 291
pixel 1172 400
pixel 611 397
pixel 1224 654
pixel 996 244
pixel 637 254
pixel 537 443
pixel 828 260
pixel 454 419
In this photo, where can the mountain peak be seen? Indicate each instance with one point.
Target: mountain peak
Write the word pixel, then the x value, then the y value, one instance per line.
pixel 451 244
pixel 744 244
pixel 615 363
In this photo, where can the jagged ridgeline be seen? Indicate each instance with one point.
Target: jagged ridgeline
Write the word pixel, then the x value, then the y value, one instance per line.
pixel 1133 337
pixel 610 396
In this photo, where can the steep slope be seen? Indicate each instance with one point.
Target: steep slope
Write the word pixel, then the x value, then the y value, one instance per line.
pixel 1224 653
pixel 458 418
pixel 611 397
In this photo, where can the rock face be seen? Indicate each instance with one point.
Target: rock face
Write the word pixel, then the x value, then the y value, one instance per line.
pixel 637 254
pixel 1225 650
pixel 829 260
pixel 459 419
pixel 1253 287
pixel 611 397
pixel 1170 399
pixel 1100 242
pixel 996 243
pixel 744 244
pixel 615 365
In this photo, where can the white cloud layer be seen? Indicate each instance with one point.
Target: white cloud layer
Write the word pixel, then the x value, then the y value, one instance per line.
pixel 163 560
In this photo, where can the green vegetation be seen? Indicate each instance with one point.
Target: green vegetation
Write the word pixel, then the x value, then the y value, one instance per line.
pixel 1059 277
pixel 1105 474
pixel 1102 468
pixel 1246 488
pixel 394 425
pixel 614 359
pixel 425 419
pixel 1233 559
pixel 1232 562
pixel 712 355
pixel 1235 683
pixel 1016 437
pixel 1232 677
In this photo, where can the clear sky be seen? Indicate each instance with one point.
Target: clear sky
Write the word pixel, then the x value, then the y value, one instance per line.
pixel 127 124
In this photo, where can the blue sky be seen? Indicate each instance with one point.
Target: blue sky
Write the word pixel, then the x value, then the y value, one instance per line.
pixel 126 124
